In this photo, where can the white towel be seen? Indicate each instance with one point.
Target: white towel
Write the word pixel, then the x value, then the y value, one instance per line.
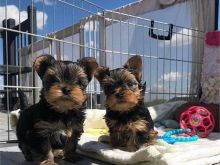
pixel 90 146
pixel 202 152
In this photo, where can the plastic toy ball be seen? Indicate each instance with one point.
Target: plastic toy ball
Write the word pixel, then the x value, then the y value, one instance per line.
pixel 199 120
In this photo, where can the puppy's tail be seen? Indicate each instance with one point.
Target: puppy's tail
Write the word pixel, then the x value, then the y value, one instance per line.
pixel 14 115
pixel 23 100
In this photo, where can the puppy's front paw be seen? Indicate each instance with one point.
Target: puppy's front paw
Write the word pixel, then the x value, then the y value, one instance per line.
pixel 48 162
pixel 58 154
pixel 152 136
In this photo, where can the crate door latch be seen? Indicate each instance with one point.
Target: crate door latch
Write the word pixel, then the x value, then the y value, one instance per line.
pixel 160 37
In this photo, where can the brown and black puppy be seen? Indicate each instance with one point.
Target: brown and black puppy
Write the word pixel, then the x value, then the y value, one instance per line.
pixel 129 121
pixel 56 121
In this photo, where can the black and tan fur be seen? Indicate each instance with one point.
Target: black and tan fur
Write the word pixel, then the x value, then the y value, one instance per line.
pixel 52 127
pixel 129 121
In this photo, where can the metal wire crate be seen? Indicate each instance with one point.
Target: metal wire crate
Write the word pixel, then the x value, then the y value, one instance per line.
pixel 170 68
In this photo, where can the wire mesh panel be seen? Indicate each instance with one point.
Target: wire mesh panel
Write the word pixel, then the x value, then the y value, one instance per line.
pixel 167 53
pixel 70 30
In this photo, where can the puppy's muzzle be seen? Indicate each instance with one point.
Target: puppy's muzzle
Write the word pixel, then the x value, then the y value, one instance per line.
pixel 66 90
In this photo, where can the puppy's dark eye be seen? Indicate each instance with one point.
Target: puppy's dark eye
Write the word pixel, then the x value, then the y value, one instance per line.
pixel 131 84
pixel 54 79
pixel 82 83
pixel 110 87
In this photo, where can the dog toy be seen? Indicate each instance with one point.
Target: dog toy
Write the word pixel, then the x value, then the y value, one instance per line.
pixel 171 140
pixel 199 120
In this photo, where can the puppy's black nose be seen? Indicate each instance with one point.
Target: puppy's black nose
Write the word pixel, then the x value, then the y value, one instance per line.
pixel 66 90
pixel 119 95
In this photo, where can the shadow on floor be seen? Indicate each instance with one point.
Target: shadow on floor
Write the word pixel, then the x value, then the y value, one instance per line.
pixel 16 158
pixel 12 158
pixel 10 154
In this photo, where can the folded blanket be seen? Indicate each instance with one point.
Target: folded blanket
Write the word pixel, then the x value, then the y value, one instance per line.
pixel 164 111
pixel 202 152
pixel 90 146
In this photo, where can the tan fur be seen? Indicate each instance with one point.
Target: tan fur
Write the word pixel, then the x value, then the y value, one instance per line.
pixel 124 75
pixel 54 92
pixel 106 81
pixel 38 62
pixel 62 103
pixel 131 97
pixel 138 126
pixel 69 132
pixel 152 138
pixel 127 76
pixel 48 161
pixel 91 63
pixel 135 62
pixel 78 96
pixel 50 72
pixel 130 100
pixel 58 153
pixel 81 73
pixel 99 72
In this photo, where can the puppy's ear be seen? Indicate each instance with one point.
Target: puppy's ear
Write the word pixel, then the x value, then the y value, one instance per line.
pixel 134 65
pixel 41 64
pixel 90 65
pixel 101 73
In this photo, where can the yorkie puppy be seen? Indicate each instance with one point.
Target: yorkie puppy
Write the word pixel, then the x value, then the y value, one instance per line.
pixel 56 121
pixel 129 121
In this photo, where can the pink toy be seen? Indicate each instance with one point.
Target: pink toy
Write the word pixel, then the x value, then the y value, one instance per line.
pixel 199 120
